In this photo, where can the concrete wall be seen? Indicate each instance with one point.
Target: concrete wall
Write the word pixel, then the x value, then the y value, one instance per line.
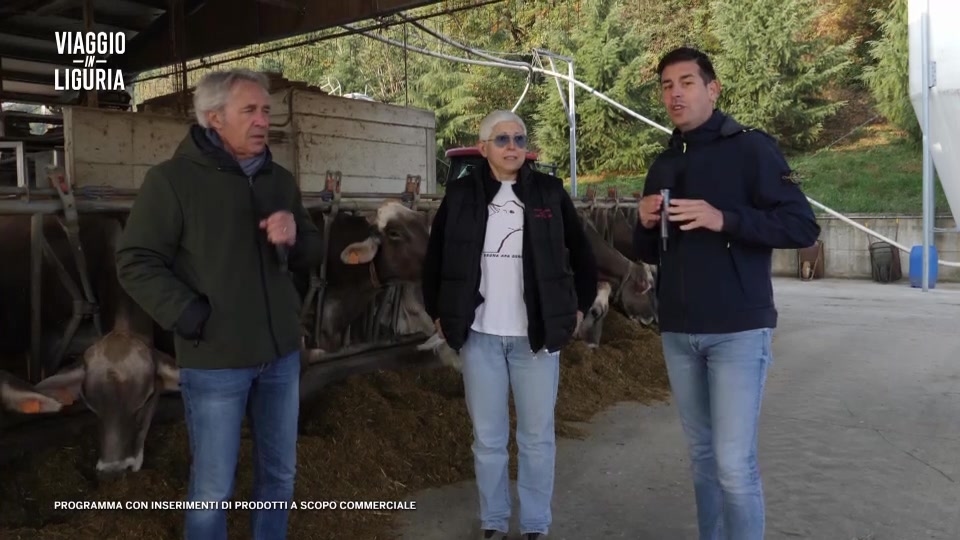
pixel 847 249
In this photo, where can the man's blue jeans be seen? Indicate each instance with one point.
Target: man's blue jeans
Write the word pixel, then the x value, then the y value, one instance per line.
pixel 717 382
pixel 215 402
pixel 492 365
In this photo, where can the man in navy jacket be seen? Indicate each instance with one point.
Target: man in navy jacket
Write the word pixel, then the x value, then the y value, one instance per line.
pixel 733 199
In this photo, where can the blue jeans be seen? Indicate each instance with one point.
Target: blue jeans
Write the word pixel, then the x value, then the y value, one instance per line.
pixel 215 402
pixel 492 365
pixel 717 382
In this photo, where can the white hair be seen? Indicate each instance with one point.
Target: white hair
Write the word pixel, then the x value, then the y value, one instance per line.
pixel 213 90
pixel 494 118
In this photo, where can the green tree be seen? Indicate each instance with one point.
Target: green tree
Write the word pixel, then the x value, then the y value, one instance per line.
pixel 613 59
pixel 773 68
pixel 888 78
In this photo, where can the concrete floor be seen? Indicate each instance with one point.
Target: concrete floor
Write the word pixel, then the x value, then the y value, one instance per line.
pixel 860 433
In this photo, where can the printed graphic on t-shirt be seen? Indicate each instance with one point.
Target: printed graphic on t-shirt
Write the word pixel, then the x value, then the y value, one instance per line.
pixel 503 311
pixel 504 221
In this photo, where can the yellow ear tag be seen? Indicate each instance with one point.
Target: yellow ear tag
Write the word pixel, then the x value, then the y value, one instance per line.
pixel 30 406
pixel 354 258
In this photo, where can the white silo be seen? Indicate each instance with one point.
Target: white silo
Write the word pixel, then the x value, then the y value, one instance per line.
pixel 944 101
pixel 934 49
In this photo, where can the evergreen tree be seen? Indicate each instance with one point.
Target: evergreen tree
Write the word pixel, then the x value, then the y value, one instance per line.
pixel 612 59
pixel 773 69
pixel 889 77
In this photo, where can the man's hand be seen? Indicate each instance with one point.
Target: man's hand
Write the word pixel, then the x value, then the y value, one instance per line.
pixel 281 228
pixel 579 318
pixel 649 210
pixel 697 214
pixel 436 323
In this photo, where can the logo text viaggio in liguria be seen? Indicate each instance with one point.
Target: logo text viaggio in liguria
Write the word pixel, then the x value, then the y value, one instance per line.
pixel 89 50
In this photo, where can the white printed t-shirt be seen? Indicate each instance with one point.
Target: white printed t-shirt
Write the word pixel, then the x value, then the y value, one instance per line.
pixel 503 312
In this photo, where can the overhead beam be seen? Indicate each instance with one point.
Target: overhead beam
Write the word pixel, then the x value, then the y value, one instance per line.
pixel 11 27
pixel 25 97
pixel 253 21
pixel 136 23
pixel 18 53
pixel 21 76
pixel 154 4
pixel 54 7
pixel 45 27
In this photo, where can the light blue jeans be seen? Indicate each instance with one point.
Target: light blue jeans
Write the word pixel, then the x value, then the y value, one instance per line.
pixel 717 382
pixel 492 365
pixel 215 402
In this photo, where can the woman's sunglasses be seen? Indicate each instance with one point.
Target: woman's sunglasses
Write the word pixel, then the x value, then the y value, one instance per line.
pixel 520 141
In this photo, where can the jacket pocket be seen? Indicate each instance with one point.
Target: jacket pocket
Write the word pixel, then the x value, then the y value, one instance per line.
pixel 739 269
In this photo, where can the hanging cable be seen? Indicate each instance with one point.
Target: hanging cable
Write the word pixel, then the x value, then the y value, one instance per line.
pixel 515 66
pixel 507 64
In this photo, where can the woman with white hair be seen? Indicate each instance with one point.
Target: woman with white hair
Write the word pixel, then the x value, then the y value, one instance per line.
pixel 508 275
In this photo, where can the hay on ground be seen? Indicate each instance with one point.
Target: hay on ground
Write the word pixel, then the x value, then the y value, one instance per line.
pixel 382 436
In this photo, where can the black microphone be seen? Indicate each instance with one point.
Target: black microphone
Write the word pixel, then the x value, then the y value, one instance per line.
pixel 672 178
pixel 664 218
pixel 283 250
pixel 283 254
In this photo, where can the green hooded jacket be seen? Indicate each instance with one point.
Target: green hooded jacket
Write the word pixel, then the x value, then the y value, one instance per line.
pixel 194 257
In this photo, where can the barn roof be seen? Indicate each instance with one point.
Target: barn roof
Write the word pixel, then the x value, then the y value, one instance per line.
pixel 28 49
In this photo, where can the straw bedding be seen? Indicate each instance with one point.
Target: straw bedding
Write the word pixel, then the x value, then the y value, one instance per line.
pixel 380 436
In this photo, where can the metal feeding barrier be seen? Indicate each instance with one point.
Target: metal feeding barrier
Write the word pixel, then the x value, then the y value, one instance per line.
pixel 372 342
pixel 68 204
pixel 367 334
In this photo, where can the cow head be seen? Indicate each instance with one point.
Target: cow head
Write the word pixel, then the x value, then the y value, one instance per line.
pixel 396 246
pixel 120 379
pixel 636 294
pixel 591 327
pixel 20 396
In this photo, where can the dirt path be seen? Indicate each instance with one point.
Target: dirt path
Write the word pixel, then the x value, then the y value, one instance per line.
pixel 860 435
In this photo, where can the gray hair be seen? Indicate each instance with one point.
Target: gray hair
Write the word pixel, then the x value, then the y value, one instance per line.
pixel 214 88
pixel 494 118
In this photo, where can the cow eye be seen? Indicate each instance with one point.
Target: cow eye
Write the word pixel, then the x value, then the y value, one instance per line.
pixel 394 234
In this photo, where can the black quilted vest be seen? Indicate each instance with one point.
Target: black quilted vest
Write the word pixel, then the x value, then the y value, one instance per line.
pixel 549 292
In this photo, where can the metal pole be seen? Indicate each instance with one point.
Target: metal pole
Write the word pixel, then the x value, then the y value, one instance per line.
pixel 571 90
pixel 927 165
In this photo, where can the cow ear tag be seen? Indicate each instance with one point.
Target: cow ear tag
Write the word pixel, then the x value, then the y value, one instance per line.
pixel 30 406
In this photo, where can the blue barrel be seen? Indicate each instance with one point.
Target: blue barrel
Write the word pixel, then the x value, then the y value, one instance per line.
pixel 916 266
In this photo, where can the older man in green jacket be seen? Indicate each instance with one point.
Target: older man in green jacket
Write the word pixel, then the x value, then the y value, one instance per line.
pixel 205 252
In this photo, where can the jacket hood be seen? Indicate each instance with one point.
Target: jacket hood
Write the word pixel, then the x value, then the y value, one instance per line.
pixel 196 147
pixel 720 124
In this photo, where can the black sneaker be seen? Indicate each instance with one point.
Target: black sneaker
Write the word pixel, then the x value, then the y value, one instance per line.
pixel 535 536
pixel 491 534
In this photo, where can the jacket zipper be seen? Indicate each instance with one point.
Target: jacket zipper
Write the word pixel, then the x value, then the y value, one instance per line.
pixel 263 276
pixel 683 295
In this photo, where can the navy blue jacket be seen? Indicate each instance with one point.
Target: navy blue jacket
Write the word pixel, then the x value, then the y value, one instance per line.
pixel 720 282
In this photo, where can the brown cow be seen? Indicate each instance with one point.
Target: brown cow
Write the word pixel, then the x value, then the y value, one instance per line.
pixel 615 227
pixel 413 318
pixel 119 378
pixel 363 255
pixel 619 277
pixel 621 281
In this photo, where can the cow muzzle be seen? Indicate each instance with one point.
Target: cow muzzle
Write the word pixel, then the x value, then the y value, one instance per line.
pixel 112 469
